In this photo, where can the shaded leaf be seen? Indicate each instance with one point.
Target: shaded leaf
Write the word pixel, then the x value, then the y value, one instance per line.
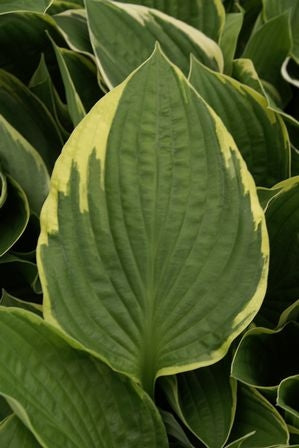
pixel 24 5
pixel 175 431
pixel 265 357
pixel 282 216
pixel 255 413
pixel 10 301
pixel 26 113
pixel 24 164
pixel 5 410
pixel 288 395
pixel 259 133
pixel 14 215
pixel 67 398
pixel 14 434
pixel 141 225
pixel 73 26
pixel 59 6
pixel 290 314
pixel 205 400
pixel 138 28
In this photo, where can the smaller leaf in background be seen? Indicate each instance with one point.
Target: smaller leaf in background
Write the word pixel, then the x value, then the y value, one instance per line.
pixel 73 26
pixel 28 115
pixel 244 71
pixel 10 301
pixel 289 71
pixel 175 432
pixel 24 5
pixel 206 16
pixel 41 85
pixel 229 38
pixel 268 47
pixel 265 357
pixel 23 40
pixel 14 213
pixel 288 395
pixel 25 247
pixel 259 133
pixel 19 159
pixel 66 397
pixel 80 81
pixel 14 434
pixel 239 442
pixel 205 401
pixel 290 314
pixel 273 8
pixel 282 217
pixel 19 276
pixel 59 6
pixel 123 37
pixel 255 413
pixel 5 409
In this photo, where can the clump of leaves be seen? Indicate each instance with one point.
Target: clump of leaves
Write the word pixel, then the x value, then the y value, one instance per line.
pixel 149 205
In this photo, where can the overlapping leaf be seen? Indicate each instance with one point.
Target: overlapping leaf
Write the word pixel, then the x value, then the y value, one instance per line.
pixel 65 397
pixel 138 28
pixel 13 434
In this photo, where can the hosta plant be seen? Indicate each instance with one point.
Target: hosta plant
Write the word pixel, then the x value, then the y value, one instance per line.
pixel 149 205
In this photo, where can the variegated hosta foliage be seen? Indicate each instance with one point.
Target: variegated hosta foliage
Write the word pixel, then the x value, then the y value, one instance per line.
pixel 163 308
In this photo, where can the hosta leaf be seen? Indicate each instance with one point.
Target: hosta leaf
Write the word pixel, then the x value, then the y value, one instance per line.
pixel 282 216
pixel 26 113
pixel 59 6
pixel 175 431
pixel 271 351
pixel 229 38
pixel 4 408
pixel 287 72
pixel 205 400
pixel 268 48
pixel 18 276
pixel 14 214
pixel 144 228
pixel 244 71
pixel 10 301
pixel 41 85
pixel 291 313
pixel 239 442
pixel 74 103
pixel 208 17
pixel 22 41
pixel 73 26
pixel 14 434
pixel 24 164
pixel 259 133
pixel 67 398
pixel 80 82
pixel 288 395
pixel 24 5
pixel 273 8
pixel 138 28
pixel 255 413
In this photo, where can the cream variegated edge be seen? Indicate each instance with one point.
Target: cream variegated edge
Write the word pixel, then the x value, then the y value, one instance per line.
pixel 104 111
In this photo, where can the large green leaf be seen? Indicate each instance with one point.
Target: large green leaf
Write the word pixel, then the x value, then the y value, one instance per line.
pixel 24 5
pixel 206 16
pixel 23 39
pixel 255 413
pixel 272 352
pixel 259 133
pixel 205 400
pixel 14 213
pixel 14 434
pixel 268 48
pixel 288 395
pixel 151 213
pixel 73 26
pixel 24 164
pixel 282 216
pixel 26 113
pixel 273 8
pixel 67 398
pixel 124 35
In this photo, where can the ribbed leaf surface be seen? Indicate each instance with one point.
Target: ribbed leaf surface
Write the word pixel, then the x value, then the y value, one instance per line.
pixel 150 216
